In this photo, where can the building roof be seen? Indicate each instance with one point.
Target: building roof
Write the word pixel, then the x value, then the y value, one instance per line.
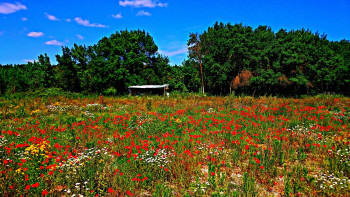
pixel 150 86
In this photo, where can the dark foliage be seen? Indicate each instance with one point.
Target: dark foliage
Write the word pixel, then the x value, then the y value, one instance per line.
pixel 283 63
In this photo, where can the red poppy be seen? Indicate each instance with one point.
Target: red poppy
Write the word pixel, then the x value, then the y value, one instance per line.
pixel 44 193
pixel 35 185
pixel 110 190
pixel 129 193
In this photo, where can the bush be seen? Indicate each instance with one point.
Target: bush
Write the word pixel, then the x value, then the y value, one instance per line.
pixel 110 91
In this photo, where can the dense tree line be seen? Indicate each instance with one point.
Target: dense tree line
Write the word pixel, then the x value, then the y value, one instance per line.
pixel 114 63
pixel 223 59
pixel 260 62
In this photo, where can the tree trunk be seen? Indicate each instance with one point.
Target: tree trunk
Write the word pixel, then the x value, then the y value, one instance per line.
pixel 200 64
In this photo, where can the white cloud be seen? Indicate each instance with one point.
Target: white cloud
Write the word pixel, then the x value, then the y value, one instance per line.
pixel 142 3
pixel 32 61
pixel 68 20
pixel 143 13
pixel 87 23
pixel 54 42
pixel 8 8
pixel 174 53
pixel 35 34
pixel 51 17
pixel 24 19
pixel 80 37
pixel 117 16
pixel 162 4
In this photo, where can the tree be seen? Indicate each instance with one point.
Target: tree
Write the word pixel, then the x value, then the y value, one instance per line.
pixel 67 73
pixel 127 58
pixel 46 70
pixel 82 55
pixel 194 52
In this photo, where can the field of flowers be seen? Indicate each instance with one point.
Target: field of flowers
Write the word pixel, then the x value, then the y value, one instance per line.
pixel 192 146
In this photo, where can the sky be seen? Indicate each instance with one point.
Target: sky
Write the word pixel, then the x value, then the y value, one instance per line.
pixel 29 28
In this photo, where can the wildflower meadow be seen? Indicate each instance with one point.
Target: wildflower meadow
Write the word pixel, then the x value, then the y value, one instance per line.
pixel 174 146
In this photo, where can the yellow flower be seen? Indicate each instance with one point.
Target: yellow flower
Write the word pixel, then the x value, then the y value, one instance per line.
pixel 178 120
pixel 19 170
pixel 35 111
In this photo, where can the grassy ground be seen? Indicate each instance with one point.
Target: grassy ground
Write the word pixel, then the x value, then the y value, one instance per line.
pixel 183 146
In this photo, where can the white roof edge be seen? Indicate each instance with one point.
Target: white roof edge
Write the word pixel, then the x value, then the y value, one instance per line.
pixel 150 86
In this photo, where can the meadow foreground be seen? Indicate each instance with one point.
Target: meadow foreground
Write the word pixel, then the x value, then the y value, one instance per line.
pixel 192 146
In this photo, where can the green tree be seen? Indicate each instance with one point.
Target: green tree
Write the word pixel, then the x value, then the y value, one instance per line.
pixel 67 73
pixel 127 58
pixel 45 70
pixel 195 52
pixel 81 55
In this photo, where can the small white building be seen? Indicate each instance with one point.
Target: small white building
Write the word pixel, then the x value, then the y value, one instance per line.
pixel 149 89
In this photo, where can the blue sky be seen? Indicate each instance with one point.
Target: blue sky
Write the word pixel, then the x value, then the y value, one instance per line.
pixel 29 28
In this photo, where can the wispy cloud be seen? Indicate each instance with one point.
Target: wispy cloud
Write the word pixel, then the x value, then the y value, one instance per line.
pixel 162 5
pixel 143 13
pixel 24 19
pixel 87 23
pixel 8 8
pixel 32 61
pixel 117 16
pixel 80 37
pixel 174 53
pixel 51 17
pixel 1 33
pixel 142 3
pixel 35 34
pixel 54 42
pixel 68 20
